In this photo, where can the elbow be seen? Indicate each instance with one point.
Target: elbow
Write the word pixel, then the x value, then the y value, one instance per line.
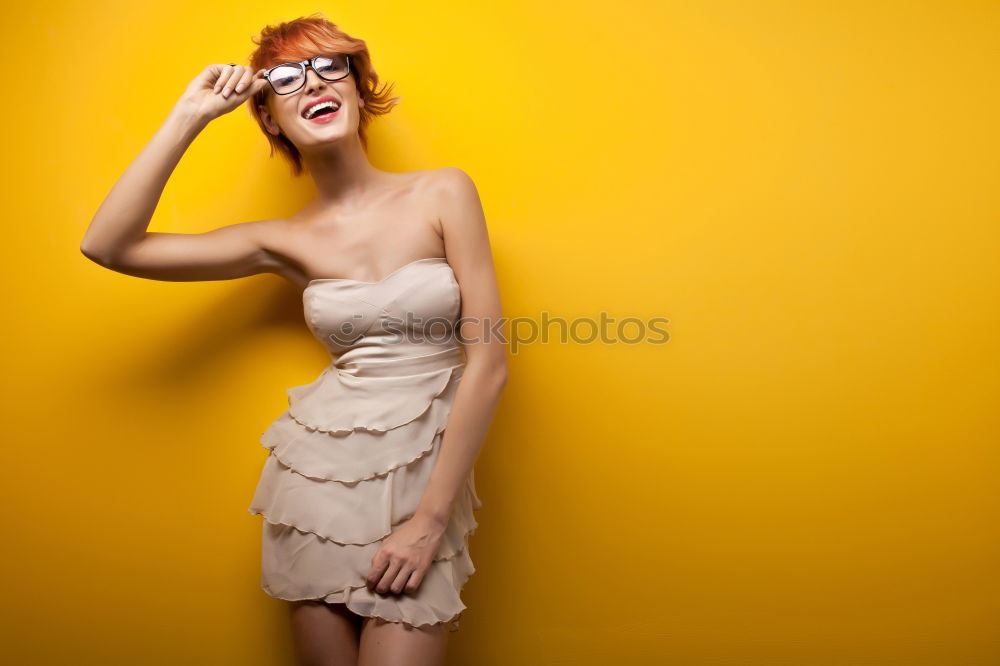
pixel 500 375
pixel 102 256
pixel 494 373
pixel 89 252
pixel 94 255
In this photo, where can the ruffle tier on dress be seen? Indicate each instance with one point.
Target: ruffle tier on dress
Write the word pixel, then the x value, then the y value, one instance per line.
pixel 348 463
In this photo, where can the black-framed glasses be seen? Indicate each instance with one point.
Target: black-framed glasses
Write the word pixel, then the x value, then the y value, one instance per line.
pixel 288 77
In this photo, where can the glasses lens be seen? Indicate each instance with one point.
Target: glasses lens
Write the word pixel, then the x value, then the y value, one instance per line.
pixel 331 68
pixel 286 78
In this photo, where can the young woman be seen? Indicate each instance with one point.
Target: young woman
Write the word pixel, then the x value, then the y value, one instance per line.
pixel 367 498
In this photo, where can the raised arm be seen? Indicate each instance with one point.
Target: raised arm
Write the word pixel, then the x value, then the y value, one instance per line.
pixel 117 237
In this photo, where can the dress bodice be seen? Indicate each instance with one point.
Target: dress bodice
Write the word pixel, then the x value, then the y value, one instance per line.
pixel 410 313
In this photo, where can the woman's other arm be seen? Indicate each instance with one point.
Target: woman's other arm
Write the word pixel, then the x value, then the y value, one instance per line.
pixel 485 374
pixel 117 237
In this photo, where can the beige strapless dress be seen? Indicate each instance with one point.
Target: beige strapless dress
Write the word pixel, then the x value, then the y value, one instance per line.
pixel 349 459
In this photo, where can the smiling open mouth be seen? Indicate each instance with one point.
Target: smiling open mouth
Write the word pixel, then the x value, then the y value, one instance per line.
pixel 323 109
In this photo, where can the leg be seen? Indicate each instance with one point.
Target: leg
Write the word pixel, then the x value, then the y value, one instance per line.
pixel 325 634
pixel 395 644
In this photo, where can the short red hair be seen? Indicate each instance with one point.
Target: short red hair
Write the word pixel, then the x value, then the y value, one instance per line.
pixel 303 38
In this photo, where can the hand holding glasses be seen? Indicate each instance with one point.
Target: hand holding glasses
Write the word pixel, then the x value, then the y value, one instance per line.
pixel 219 89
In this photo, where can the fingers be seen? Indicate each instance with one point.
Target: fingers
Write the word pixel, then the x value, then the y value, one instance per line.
pixel 397 581
pixel 245 78
pixel 396 577
pixel 375 575
pixel 233 78
pixel 399 569
pixel 387 581
pixel 227 71
pixel 415 579
pixel 240 79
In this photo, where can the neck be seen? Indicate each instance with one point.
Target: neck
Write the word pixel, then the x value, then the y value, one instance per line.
pixel 343 175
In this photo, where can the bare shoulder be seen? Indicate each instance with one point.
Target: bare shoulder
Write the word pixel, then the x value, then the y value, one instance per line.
pixel 442 182
pixel 451 181
pixel 456 201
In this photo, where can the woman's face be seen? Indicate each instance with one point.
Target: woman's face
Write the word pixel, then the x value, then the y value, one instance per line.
pixel 286 114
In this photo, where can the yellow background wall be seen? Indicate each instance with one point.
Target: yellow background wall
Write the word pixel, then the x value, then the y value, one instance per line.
pixel 803 475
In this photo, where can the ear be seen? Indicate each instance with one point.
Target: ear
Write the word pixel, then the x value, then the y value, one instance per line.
pixel 265 115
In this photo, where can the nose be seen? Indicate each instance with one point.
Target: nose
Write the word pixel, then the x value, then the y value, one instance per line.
pixel 313 79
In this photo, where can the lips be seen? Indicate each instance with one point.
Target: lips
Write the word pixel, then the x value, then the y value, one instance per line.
pixel 324 117
pixel 318 100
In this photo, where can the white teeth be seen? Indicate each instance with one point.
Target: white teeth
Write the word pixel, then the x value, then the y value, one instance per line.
pixel 322 105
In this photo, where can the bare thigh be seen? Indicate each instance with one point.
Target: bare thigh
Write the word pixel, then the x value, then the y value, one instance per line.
pixel 325 634
pixel 395 644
